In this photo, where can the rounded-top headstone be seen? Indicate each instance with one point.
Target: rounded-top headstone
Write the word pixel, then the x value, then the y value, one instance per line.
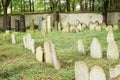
pixel 95 49
pixel 81 71
pixel 81 47
pixel 112 50
pixel 39 54
pixel 97 73
pixel 110 36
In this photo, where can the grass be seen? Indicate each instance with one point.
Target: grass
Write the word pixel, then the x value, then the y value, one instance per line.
pixel 18 63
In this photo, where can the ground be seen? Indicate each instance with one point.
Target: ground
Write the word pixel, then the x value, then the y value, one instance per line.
pixel 18 63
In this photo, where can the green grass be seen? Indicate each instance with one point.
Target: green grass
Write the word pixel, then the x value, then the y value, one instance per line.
pixel 18 63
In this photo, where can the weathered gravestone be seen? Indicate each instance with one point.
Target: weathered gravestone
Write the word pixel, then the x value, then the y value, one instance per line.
pixel 17 28
pixel 22 23
pixel 97 73
pixel 109 28
pixel 95 49
pixel 7 32
pixel 112 72
pixel 112 50
pixel 49 23
pixel 40 23
pixel 117 70
pixel 13 38
pixel 32 25
pixel 32 46
pixel 98 28
pixel 103 25
pixel 8 22
pixel 44 27
pixel 59 26
pixel 81 71
pixel 39 54
pixel 115 27
pixel 24 41
pixel 110 36
pixel 81 48
pixel 50 54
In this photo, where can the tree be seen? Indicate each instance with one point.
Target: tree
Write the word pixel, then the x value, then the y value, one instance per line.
pixel 68 5
pixel 5 4
pixel 105 11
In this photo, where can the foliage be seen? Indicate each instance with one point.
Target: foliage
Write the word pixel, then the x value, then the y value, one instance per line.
pixel 18 63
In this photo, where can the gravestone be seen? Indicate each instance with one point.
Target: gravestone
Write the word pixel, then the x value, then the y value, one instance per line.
pixel 103 25
pixel 40 23
pixel 8 22
pixel 110 36
pixel 95 49
pixel 79 26
pixel 50 54
pixel 44 27
pixel 28 41
pixel 112 50
pixel 109 28
pixel 47 50
pixel 24 41
pixel 56 62
pixel 115 27
pixel 32 25
pixel 59 26
pixel 92 26
pixel 81 47
pixel 22 23
pixel 39 54
pixel 97 73
pixel 117 70
pixel 112 72
pixel 32 46
pixel 17 25
pixel 81 71
pixel 7 32
pixel 49 23
pixel 98 28
pixel 13 38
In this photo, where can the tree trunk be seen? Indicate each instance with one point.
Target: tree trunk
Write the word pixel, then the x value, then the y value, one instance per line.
pixel 30 4
pixel 68 5
pixel 5 18
pixel 105 11
pixel 93 1
pixel 73 5
pixel 81 7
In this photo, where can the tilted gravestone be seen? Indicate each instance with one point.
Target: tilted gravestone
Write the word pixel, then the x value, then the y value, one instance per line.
pixel 13 38
pixel 110 36
pixel 39 54
pixel 81 71
pixel 97 73
pixel 112 50
pixel 95 49
pixel 81 48
pixel 50 54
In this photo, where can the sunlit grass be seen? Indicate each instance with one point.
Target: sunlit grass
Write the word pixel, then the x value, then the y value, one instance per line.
pixel 18 63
